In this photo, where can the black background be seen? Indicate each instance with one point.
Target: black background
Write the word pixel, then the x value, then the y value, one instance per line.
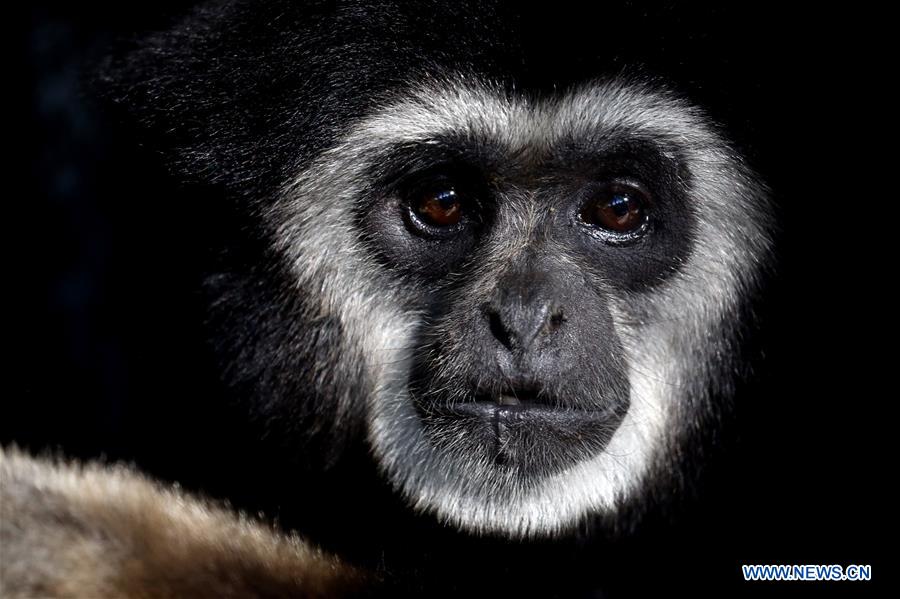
pixel 105 262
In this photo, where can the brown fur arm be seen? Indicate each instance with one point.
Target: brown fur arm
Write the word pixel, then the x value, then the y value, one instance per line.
pixel 96 531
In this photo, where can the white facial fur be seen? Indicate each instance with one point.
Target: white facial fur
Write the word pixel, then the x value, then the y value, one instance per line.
pixel 684 326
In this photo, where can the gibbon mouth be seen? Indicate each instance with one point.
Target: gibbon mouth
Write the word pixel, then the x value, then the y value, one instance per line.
pixel 524 428
pixel 514 403
pixel 521 406
pixel 514 399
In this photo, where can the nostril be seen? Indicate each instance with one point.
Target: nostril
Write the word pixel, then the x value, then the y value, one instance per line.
pixel 556 319
pixel 498 329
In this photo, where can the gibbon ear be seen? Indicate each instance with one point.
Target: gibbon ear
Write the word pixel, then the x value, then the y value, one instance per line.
pixel 71 530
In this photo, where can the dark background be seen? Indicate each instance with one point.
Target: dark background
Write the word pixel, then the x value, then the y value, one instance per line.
pixel 105 354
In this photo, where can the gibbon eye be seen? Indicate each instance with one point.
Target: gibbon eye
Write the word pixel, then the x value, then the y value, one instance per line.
pixel 440 208
pixel 618 208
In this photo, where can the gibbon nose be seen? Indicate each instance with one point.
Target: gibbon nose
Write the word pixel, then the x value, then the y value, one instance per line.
pixel 522 312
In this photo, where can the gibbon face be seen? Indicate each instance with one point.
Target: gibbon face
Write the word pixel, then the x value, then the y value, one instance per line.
pixel 539 291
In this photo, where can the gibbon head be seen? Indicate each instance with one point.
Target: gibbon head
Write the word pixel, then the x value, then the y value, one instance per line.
pixel 524 298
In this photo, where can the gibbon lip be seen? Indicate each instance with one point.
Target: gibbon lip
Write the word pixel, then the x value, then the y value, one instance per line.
pixel 513 399
pixel 508 400
pixel 493 409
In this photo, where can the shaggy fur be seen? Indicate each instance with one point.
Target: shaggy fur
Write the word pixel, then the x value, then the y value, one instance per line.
pixel 70 530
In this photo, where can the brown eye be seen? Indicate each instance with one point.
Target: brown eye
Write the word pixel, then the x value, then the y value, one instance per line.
pixel 617 208
pixel 440 208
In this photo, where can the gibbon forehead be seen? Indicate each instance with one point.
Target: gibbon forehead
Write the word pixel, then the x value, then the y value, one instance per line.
pixel 538 289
